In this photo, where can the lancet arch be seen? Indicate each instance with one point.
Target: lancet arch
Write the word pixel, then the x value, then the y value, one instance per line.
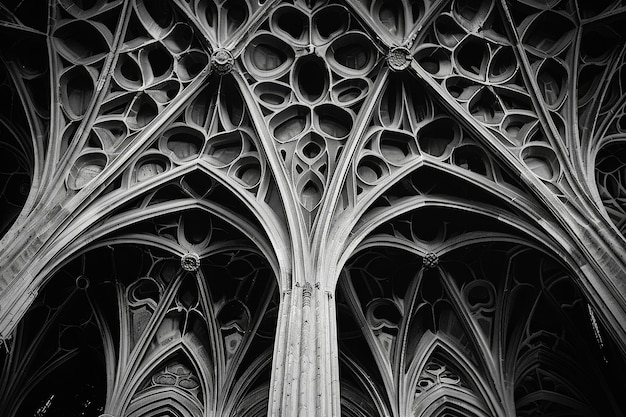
pixel 312 207
pixel 189 312
pixel 377 295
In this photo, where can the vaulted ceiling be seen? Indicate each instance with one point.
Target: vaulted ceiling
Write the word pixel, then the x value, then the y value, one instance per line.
pixel 451 172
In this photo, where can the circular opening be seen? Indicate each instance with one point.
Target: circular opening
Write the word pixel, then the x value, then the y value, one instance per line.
pixel 291 21
pixel 353 52
pixel 371 169
pixel 248 171
pixel 82 282
pixel 331 21
pixel 311 78
pixel 149 168
pixel 191 64
pixel 86 168
pixel 268 56
pixel 225 148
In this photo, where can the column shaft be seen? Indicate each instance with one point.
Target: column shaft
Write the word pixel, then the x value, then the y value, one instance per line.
pixel 305 378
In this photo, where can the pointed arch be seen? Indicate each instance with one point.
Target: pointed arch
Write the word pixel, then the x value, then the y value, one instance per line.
pixel 162 309
pixel 479 302
pixel 95 224
pixel 445 401
pixel 527 305
pixel 416 189
pixel 405 314
pixel 163 401
pixel 62 353
pixel 385 215
pixel 168 380
pixel 445 376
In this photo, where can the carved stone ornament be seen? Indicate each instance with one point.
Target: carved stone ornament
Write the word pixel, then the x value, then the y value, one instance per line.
pixel 222 61
pixel 82 282
pixel 238 208
pixel 306 294
pixel 431 260
pixel 190 262
pixel 399 58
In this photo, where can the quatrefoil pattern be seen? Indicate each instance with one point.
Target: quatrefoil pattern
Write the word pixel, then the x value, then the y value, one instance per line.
pixel 310 69
pixel 334 207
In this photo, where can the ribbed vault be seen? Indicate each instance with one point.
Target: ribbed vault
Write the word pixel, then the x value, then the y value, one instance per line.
pixel 312 207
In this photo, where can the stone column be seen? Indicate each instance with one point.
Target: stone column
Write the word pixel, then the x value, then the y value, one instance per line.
pixel 305 375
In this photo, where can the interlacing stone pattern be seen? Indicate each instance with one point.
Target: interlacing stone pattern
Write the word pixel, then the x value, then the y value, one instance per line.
pixel 156 57
pixel 468 51
pixel 423 348
pixel 310 70
pixel 312 207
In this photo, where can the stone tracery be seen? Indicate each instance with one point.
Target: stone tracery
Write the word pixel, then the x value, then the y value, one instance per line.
pixel 380 207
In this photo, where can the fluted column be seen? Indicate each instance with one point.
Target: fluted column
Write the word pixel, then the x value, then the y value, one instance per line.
pixel 305 377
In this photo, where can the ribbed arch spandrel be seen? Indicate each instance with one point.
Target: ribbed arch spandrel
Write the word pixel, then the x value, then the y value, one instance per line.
pixel 209 152
pixel 407 128
pixel 213 134
pixel 118 70
pixel 467 50
pixel 412 145
pixel 413 124
pixel 489 64
pixel 517 88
